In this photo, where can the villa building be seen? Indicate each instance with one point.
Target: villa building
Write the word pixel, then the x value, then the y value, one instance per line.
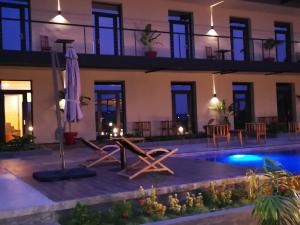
pixel 246 52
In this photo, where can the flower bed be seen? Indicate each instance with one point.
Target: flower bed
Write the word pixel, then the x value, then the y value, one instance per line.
pixel 273 197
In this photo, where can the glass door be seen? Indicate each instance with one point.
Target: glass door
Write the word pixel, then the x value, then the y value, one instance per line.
pixel 109 109
pixel 242 100
pixel 14 28
pixel 283 39
pixel 16 115
pixel 239 39
pixel 285 103
pixel 181 34
pixel 183 106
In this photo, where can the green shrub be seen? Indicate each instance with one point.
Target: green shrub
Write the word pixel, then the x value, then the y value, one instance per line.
pixel 23 143
pixel 82 215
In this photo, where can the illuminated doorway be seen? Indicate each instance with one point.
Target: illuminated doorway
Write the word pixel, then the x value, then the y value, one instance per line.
pixel 15 109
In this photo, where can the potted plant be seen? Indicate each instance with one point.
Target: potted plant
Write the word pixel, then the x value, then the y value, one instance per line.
pixel 225 112
pixel 70 136
pixel 268 45
pixel 148 39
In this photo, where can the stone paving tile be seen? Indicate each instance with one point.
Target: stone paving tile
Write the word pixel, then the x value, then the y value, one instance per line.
pixel 16 194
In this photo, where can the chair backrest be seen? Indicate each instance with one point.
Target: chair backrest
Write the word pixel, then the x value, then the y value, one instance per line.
pixel 129 145
pixel 255 128
pixel 209 51
pixel 221 130
pixel 294 127
pixel 45 43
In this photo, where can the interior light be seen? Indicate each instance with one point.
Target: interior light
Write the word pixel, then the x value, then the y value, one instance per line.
pixel 181 129
pixel 115 130
pixel 110 124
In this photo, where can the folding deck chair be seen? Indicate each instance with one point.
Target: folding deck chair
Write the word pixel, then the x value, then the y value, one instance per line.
pixel 105 154
pixel 149 161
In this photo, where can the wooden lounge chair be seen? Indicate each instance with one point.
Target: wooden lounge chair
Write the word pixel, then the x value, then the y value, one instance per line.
pixel 216 132
pixel 149 161
pixel 256 129
pixel 105 154
pixel 294 128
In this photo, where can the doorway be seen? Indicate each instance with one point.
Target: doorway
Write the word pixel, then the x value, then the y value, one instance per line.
pixel 181 36
pixel 184 106
pixel 15 110
pixel 285 102
pixel 110 109
pixel 243 104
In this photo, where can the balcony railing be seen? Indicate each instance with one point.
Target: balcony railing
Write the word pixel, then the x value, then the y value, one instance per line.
pixel 202 46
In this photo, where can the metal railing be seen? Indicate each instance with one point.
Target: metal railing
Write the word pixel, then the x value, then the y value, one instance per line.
pixel 126 42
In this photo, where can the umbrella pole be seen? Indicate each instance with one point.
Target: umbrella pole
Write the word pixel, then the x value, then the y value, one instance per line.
pixel 60 130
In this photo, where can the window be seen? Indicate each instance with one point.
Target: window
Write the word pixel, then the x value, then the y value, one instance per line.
pixel 183 103
pixel 110 109
pixel 14 25
pixel 243 107
pixel 108 29
pixel 239 29
pixel 283 38
pixel 181 34
pixel 15 109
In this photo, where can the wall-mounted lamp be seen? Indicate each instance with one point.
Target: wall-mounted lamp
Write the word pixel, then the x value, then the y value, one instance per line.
pixel 58 7
pixel 214 102
pixel 212 31
pixel 59 18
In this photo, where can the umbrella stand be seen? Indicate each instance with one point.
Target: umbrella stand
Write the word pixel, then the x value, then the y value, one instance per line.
pixel 63 173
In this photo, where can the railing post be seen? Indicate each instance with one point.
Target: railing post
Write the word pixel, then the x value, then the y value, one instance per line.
pixel 263 50
pixel 84 38
pixel 135 45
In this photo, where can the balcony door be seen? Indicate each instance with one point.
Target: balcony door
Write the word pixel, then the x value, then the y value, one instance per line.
pixel 15 110
pixel 283 38
pixel 181 37
pixel 14 25
pixel 110 113
pixel 285 102
pixel 108 34
pixel 184 106
pixel 239 30
pixel 243 104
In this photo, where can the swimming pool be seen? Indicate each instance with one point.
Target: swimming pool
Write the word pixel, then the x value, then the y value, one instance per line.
pixel 290 160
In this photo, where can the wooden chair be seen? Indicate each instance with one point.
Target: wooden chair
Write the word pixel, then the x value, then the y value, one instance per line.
pixel 105 154
pixel 142 128
pixel 45 47
pixel 294 128
pixel 209 53
pixel 168 128
pixel 215 132
pixel 149 161
pixel 256 129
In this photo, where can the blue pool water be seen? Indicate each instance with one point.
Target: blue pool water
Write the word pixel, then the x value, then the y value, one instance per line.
pixel 290 160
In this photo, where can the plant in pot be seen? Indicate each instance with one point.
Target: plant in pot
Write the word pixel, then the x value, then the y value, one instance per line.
pixel 268 45
pixel 225 112
pixel 148 40
pixel 70 136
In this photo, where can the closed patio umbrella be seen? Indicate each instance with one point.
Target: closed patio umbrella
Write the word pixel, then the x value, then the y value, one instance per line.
pixel 73 112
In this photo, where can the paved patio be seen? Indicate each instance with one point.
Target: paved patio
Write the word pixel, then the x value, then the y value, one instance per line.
pixel 16 180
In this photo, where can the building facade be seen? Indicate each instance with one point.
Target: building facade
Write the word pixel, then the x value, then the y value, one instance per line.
pixel 194 61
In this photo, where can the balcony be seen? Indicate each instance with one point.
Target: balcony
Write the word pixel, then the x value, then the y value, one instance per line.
pixel 206 52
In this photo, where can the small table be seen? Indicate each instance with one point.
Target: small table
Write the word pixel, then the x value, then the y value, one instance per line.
pixel 123 157
pixel 64 43
pixel 223 52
